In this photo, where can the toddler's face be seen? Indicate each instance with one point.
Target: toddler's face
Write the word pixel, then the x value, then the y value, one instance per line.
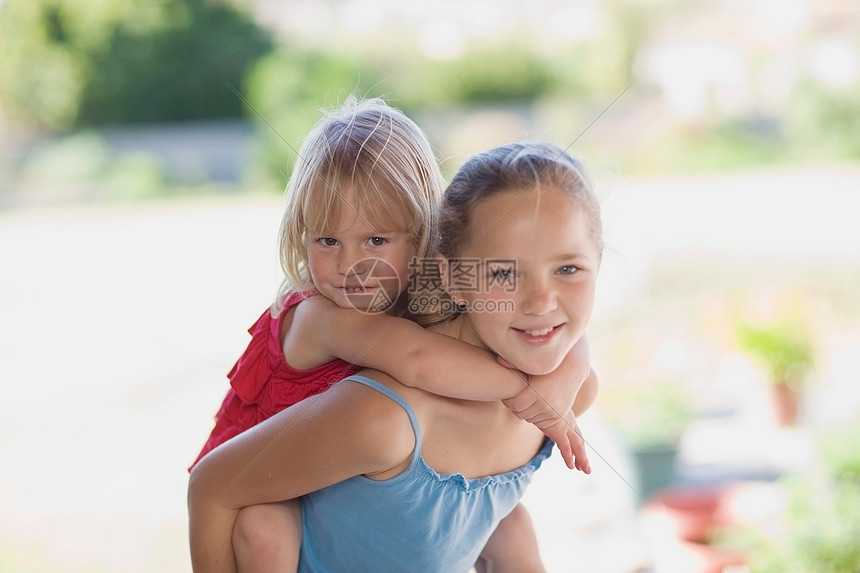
pixel 537 269
pixel 358 265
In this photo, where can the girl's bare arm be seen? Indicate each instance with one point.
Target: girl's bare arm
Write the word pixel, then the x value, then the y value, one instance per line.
pixel 346 431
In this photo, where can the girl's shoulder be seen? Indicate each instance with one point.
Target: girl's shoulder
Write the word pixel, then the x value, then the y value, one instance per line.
pixel 302 330
pixel 308 313
pixel 380 411
pixel 294 298
pixel 385 393
pixel 409 408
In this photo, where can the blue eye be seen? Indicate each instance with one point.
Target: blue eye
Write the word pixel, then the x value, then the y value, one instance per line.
pixel 378 241
pixel 328 241
pixel 502 273
pixel 568 270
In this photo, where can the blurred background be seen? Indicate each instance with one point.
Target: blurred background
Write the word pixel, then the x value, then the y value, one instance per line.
pixel 144 148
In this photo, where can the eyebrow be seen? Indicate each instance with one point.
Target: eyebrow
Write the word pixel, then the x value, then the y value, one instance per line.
pixel 572 256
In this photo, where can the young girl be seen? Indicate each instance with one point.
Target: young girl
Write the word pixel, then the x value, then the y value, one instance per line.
pixel 395 478
pixel 361 204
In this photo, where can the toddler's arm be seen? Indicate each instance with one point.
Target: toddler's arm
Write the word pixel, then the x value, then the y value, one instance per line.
pixel 443 365
pixel 414 356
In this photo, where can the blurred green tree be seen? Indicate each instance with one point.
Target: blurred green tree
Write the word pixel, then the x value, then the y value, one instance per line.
pixel 825 122
pixel 288 88
pixel 286 92
pixel 65 63
pixel 510 73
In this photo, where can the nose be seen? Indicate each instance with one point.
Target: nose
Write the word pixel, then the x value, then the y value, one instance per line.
pixel 349 259
pixel 537 297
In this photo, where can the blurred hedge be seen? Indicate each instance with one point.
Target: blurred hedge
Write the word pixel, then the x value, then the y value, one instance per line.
pixel 286 91
pixel 288 88
pixel 66 63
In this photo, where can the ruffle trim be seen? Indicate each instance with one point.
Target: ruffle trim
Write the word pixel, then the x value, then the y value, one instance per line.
pixel 477 484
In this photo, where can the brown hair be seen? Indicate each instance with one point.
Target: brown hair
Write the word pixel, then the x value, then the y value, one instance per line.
pixel 515 166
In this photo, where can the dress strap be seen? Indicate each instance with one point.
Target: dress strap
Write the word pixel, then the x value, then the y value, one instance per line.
pixel 383 389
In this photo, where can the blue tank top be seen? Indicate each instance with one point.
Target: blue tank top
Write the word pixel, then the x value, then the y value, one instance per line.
pixel 418 520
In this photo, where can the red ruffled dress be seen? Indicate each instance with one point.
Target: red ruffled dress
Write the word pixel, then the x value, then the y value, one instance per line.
pixel 263 384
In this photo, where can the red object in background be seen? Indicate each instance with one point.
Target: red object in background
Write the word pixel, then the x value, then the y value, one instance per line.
pixel 691 512
pixel 680 521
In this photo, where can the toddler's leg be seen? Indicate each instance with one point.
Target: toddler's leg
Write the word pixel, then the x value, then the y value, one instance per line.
pixel 268 537
pixel 512 547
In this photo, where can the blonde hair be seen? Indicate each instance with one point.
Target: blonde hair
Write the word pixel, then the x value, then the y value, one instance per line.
pixel 378 157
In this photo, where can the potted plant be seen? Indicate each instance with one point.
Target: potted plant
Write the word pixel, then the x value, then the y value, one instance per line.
pixel 819 526
pixel 786 353
pixel 650 418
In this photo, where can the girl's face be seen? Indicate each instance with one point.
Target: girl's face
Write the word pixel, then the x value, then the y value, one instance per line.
pixel 537 267
pixel 356 265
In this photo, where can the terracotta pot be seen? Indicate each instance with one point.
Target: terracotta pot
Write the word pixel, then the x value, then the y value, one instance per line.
pixel 690 513
pixel 785 404
pixel 679 520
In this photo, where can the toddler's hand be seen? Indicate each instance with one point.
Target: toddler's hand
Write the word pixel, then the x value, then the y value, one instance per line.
pixel 544 399
pixel 573 451
pixel 563 430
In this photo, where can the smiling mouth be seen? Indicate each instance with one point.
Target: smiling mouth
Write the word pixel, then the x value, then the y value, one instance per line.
pixel 543 332
pixel 356 289
pixel 539 334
